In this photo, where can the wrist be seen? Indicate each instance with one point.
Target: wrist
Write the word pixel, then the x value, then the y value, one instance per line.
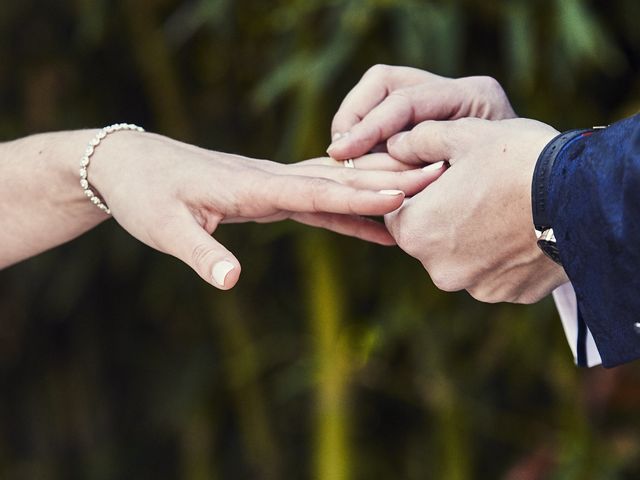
pixel 542 212
pixel 111 160
pixel 63 153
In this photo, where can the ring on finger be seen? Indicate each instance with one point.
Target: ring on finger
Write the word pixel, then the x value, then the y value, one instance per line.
pixel 349 163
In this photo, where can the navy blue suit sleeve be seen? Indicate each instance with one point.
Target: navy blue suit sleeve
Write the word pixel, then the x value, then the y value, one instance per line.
pixel 594 205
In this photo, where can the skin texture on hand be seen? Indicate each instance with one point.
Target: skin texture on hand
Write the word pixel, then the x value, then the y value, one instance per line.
pixel 390 99
pixel 472 229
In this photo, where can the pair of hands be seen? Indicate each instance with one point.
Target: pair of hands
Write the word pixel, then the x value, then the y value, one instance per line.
pixel 467 211
pixel 472 228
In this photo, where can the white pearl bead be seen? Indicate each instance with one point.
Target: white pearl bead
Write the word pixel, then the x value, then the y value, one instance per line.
pixel 85 160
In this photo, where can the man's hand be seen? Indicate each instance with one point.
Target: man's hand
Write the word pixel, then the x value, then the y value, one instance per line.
pixel 472 228
pixel 390 99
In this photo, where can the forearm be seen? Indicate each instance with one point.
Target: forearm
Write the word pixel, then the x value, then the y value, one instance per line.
pixel 41 202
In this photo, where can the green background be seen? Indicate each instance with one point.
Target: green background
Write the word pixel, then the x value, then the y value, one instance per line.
pixel 332 359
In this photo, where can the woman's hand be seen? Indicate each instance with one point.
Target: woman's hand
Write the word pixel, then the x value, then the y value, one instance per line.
pixel 172 196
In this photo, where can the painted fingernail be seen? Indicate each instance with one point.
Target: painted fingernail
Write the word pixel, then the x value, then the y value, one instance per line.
pixel 221 270
pixel 391 192
pixel 434 166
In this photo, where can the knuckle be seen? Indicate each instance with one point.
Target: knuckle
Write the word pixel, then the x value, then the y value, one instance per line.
pixel 527 296
pixel 496 104
pixel 407 228
pixel 400 235
pixel 467 122
pixel 489 84
pixel 407 238
pixel 525 299
pixel 202 255
pixel 338 121
pixel 401 95
pixel 446 280
pixel 318 188
pixel 428 128
pixel 402 99
pixel 379 70
pixel 489 294
pixel 464 130
pixel 481 294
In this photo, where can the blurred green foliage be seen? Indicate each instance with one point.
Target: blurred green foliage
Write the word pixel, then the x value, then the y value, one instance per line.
pixel 332 359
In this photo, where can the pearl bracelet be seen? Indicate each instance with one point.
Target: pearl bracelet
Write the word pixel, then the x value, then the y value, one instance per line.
pixel 86 158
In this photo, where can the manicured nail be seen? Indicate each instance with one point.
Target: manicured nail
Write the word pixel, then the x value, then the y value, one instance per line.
pixel 434 166
pixel 391 192
pixel 337 141
pixel 221 270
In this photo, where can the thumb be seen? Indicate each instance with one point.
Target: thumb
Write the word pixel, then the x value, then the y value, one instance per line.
pixel 189 242
pixel 428 142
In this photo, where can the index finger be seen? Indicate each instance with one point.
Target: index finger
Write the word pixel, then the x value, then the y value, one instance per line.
pixel 432 100
pixel 296 193
pixel 373 87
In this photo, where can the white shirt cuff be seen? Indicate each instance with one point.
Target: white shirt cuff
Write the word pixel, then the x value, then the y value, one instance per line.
pixel 567 305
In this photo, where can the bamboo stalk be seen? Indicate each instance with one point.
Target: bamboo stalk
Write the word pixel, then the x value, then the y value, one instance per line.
pixel 242 367
pixel 331 416
pixel 156 69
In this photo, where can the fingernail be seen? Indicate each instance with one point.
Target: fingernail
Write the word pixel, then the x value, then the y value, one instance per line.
pixel 221 270
pixel 391 192
pixel 434 166
pixel 336 136
pixel 396 138
pixel 337 141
